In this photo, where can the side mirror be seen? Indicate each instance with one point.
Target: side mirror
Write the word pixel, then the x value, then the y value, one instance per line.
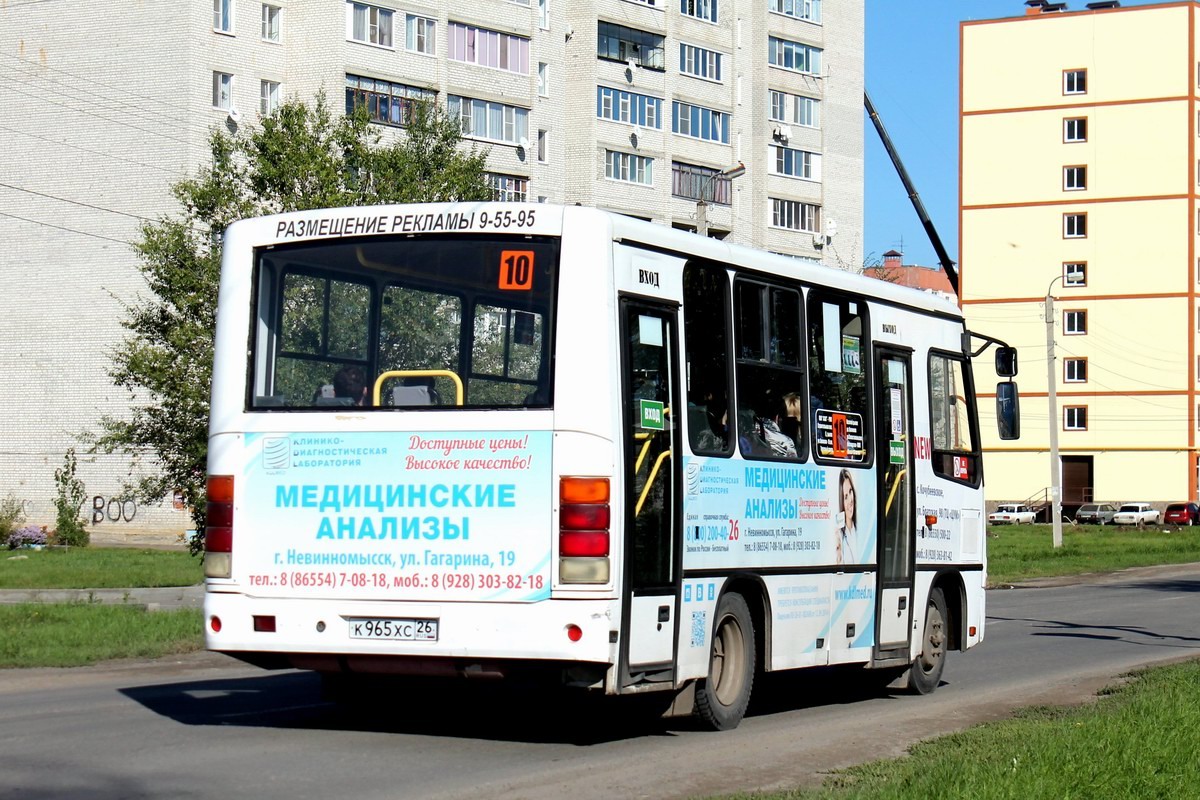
pixel 1008 410
pixel 1006 362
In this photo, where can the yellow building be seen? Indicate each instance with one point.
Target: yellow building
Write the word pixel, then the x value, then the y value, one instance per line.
pixel 1078 180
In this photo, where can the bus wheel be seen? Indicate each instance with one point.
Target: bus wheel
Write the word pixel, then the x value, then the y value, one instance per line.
pixel 722 697
pixel 926 671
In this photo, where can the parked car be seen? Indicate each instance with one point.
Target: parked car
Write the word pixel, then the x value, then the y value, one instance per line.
pixel 1136 514
pixel 1182 514
pixel 1095 514
pixel 1012 514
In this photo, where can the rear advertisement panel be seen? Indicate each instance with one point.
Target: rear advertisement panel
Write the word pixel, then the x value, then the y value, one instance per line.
pixel 446 516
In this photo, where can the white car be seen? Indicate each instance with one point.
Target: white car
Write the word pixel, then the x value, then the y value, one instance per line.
pixel 1012 514
pixel 1137 514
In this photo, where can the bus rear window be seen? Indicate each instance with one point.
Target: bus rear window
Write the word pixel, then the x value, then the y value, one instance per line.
pixel 400 322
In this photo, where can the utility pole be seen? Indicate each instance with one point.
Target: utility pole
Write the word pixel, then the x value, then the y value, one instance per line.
pixel 1051 393
pixel 736 171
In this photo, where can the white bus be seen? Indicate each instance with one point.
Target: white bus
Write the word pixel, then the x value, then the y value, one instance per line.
pixel 500 439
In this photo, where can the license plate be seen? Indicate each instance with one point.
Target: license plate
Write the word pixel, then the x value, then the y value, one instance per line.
pixel 396 630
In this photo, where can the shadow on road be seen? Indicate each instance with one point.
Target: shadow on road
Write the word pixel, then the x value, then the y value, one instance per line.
pixel 1127 633
pixel 492 711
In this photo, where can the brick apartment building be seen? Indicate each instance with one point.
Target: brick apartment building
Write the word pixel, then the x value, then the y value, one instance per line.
pixel 629 105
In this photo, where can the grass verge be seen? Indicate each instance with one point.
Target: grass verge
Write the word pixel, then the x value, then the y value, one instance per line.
pixel 1018 552
pixel 97 568
pixel 1137 741
pixel 76 634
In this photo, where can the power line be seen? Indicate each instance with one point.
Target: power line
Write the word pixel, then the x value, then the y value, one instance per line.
pixel 87 150
pixel 133 106
pixel 64 228
pixel 105 119
pixel 76 202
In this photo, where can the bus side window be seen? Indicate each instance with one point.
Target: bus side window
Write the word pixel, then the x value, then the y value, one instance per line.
pixel 839 397
pixel 705 322
pixel 953 422
pixel 770 379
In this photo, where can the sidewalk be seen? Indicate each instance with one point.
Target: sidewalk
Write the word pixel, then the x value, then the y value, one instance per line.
pixel 156 599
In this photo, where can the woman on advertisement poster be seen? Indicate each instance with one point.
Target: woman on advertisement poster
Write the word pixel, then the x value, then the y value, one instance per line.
pixel 847 520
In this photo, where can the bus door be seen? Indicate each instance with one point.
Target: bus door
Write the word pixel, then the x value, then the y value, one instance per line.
pixel 651 402
pixel 897 521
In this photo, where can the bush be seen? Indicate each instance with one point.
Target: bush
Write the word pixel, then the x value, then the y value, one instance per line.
pixel 28 535
pixel 69 526
pixel 12 514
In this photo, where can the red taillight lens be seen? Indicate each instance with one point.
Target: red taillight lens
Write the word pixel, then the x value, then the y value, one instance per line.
pixel 218 540
pixel 583 516
pixel 218 531
pixel 583 543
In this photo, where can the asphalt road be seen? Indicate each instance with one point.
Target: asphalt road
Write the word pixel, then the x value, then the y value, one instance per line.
pixel 207 727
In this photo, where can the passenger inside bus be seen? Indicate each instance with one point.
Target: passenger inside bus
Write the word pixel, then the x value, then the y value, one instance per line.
pixel 349 388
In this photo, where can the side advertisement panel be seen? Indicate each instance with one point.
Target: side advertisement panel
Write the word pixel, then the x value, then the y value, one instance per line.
pixel 391 515
pixel 758 514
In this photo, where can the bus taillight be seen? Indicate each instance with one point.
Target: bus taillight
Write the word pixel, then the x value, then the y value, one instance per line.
pixel 583 530
pixel 218 530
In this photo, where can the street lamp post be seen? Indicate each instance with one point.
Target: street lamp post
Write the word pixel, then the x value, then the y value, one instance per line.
pixel 1052 395
pixel 705 190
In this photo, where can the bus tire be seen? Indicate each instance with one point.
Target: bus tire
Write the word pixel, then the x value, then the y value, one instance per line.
pixel 722 697
pixel 926 671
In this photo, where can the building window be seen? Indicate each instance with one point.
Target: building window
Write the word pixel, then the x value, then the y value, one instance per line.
pixel 1074 178
pixel 542 155
pixel 488 48
pixel 387 103
pixel 797 163
pixel 700 9
pixel 699 62
pixel 1074 226
pixel 628 168
pixel 544 14
pixel 1075 418
pixel 795 215
pixel 508 188
pixel 700 183
pixel 793 109
pixel 1075 129
pixel 1075 370
pixel 699 122
pixel 268 101
pixel 800 9
pixel 794 56
pixel 635 109
pixel 223 16
pixel 222 95
pixel 618 43
pixel 496 122
pixel 543 79
pixel 368 24
pixel 420 35
pixel 1075 322
pixel 1075 273
pixel 270 22
pixel 1074 81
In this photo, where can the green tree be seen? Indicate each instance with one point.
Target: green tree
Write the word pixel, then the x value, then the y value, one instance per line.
pixel 300 157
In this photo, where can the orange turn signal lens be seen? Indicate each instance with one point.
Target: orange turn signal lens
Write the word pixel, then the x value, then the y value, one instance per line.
pixel 583 490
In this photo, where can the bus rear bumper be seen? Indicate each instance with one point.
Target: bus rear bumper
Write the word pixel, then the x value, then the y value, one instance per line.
pixel 575 637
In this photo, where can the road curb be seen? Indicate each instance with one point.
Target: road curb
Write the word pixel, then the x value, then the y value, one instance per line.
pixel 152 598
